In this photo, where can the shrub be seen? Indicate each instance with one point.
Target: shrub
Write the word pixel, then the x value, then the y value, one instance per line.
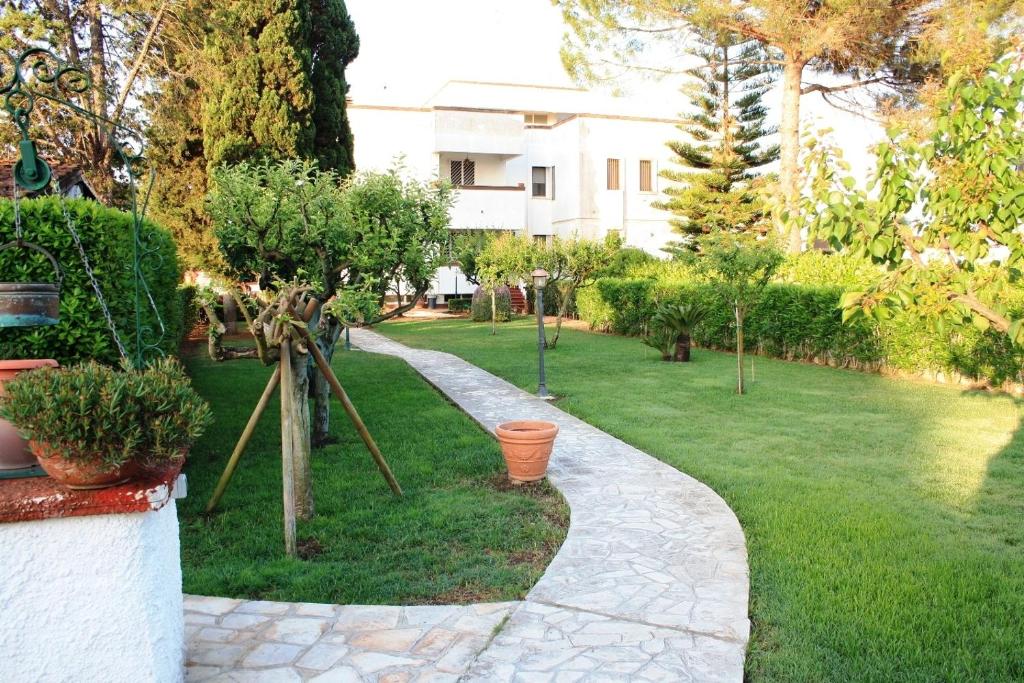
pixel 82 333
pixel 98 414
pixel 802 321
pixel 458 305
pixel 189 308
pixel 631 302
pixel 481 306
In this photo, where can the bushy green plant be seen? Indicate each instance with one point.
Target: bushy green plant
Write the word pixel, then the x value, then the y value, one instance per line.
pixel 679 320
pixel 662 340
pixel 82 333
pixel 94 413
pixel 631 302
pixel 458 305
pixel 480 310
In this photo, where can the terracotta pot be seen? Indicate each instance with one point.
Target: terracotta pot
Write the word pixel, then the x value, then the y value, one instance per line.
pixel 78 473
pixel 526 445
pixel 14 450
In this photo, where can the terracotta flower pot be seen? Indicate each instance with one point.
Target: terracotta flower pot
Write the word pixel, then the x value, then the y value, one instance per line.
pixel 14 450
pixel 526 445
pixel 79 473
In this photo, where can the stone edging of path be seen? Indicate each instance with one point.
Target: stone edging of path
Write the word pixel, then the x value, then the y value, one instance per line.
pixel 650 584
pixel 651 581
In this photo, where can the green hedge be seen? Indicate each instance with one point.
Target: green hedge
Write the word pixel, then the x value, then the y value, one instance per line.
pixel 106 233
pixel 802 321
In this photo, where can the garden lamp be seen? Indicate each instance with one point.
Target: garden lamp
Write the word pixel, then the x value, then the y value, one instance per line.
pixel 540 279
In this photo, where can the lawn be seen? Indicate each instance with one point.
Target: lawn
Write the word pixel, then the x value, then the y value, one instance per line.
pixel 460 533
pixel 884 518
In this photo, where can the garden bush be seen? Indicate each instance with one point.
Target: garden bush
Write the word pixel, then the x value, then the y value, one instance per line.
pixel 458 305
pixel 82 333
pixel 798 318
pixel 481 307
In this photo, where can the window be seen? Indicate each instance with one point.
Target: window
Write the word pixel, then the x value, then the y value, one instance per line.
pixel 613 174
pixel 645 176
pixel 463 172
pixel 540 181
pixel 536 119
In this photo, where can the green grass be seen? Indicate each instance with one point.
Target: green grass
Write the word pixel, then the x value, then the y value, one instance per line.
pixel 459 534
pixel 884 518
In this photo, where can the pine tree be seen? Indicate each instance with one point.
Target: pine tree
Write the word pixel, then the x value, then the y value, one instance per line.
pixel 259 103
pixel 334 44
pixel 719 190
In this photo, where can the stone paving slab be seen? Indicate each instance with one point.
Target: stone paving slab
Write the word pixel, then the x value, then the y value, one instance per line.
pixel 651 583
pixel 260 641
pixel 647 545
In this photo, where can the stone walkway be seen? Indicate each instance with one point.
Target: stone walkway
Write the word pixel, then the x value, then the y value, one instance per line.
pixel 650 585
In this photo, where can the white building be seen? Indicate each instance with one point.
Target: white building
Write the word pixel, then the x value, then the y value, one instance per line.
pixel 541 160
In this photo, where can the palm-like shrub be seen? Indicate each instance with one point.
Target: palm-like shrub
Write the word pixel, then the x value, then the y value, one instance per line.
pixel 677 321
pixel 661 339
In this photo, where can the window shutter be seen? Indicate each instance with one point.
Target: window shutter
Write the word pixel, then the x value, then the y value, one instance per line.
pixel 645 175
pixel 468 172
pixel 456 173
pixel 613 174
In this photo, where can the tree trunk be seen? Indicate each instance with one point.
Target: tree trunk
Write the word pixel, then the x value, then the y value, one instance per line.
pixel 562 306
pixel 328 332
pixel 789 158
pixel 494 310
pixel 682 349
pixel 303 489
pixel 739 351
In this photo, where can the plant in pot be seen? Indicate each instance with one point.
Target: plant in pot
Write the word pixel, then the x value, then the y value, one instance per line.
pixel 678 321
pixel 526 445
pixel 14 451
pixel 92 426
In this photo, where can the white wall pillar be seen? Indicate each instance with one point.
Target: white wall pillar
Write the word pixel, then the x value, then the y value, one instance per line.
pixel 93 598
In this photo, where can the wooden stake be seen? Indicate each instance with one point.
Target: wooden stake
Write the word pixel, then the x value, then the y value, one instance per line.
pixel 287 465
pixel 243 440
pixel 353 414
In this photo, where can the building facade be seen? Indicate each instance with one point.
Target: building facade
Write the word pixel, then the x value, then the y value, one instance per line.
pixel 543 161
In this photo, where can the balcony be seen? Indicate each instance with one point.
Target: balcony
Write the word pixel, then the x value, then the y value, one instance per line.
pixel 478 132
pixel 496 207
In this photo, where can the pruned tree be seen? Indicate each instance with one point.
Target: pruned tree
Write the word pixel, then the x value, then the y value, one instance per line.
pixel 573 264
pixel 865 42
pixel 506 258
pixel 741 266
pixel 719 188
pixel 356 240
pixel 945 215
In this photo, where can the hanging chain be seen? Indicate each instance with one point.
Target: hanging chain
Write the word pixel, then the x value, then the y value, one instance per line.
pixel 88 270
pixel 17 210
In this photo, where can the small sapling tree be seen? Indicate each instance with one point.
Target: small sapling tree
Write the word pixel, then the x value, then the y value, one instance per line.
pixel 741 266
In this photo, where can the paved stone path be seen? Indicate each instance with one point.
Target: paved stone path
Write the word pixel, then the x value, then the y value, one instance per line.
pixel 650 585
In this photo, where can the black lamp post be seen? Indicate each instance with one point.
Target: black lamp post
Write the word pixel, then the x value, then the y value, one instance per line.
pixel 540 279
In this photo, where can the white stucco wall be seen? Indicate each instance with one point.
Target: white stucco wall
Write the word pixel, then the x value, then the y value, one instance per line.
pixel 95 598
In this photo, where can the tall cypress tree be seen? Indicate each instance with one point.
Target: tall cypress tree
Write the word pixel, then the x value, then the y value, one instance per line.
pixel 718 190
pixel 259 101
pixel 334 44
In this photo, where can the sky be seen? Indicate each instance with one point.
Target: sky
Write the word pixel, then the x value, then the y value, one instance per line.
pixel 410 48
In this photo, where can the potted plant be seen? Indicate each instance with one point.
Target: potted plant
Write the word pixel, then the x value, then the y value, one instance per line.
pixel 526 445
pixel 14 451
pixel 92 426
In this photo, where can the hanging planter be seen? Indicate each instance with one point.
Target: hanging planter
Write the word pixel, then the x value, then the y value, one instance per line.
pixel 526 445
pixel 28 304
